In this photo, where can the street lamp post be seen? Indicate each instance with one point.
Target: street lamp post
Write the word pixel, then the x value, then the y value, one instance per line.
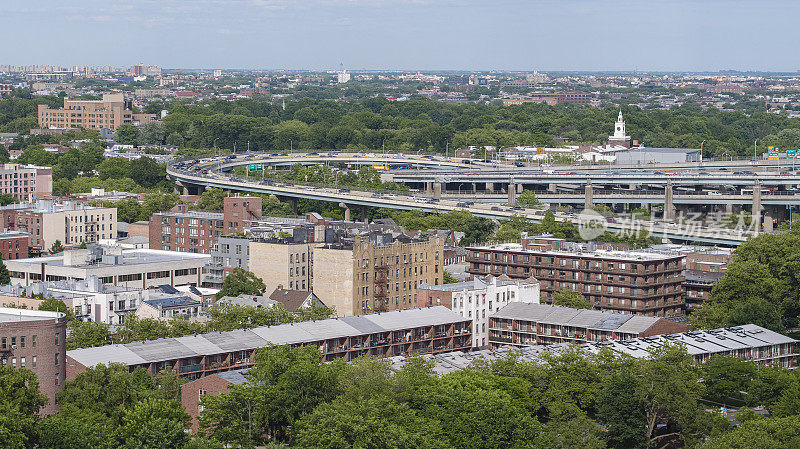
pixel 755 146
pixel 701 151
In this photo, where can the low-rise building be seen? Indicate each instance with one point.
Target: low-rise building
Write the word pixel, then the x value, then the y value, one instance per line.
pixel 294 300
pixel 36 340
pixel 399 332
pixel 747 342
pixel 170 307
pixel 134 268
pixel 526 324
pixel 478 299
pixel 14 245
pixel 698 285
pixel 212 385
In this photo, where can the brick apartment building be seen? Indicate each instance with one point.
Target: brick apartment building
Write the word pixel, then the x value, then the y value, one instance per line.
pixel 637 282
pixel 69 222
pixel 14 245
pixel 378 273
pixel 526 324
pixel 36 340
pixel 197 232
pixel 551 98
pixel 26 182
pixel 111 112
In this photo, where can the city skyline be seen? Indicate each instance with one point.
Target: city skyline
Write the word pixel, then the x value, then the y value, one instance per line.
pixel 506 35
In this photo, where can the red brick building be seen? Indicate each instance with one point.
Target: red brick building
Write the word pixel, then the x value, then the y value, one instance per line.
pixel 212 385
pixel 197 232
pixel 36 340
pixel 14 245
pixel 635 282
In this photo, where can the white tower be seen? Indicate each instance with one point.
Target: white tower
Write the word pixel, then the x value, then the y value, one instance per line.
pixel 619 137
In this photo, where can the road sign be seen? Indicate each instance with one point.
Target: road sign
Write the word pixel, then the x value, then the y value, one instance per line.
pixel 791 154
pixel 256 166
pixel 539 150
pixel 773 153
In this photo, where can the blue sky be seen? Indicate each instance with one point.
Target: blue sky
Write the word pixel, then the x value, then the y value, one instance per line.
pixel 406 34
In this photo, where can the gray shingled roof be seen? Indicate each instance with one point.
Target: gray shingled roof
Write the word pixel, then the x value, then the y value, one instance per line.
pixel 165 349
pixel 583 318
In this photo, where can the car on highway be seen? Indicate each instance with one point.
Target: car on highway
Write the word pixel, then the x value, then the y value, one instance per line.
pixel 344 190
pixel 496 208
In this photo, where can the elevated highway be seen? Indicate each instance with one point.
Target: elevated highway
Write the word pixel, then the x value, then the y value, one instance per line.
pixel 197 180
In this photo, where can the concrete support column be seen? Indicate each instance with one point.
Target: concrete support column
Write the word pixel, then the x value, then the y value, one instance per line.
pixel 185 190
pixel 512 194
pixel 551 188
pixel 437 190
pixel 474 188
pixel 757 205
pixel 364 210
pixel 669 207
pixel 489 187
pixel 728 208
pixel 428 187
pixel 589 198
pixel 346 211
pixel 519 188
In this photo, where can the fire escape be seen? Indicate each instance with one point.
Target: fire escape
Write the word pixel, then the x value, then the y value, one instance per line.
pixel 381 288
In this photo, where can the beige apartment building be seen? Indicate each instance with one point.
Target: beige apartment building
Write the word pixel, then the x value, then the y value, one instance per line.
pixel 372 276
pixel 282 265
pixel 68 222
pixel 110 112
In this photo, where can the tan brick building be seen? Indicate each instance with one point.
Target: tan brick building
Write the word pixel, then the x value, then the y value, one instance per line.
pixel 110 112
pixel 282 264
pixel 26 182
pixel 372 276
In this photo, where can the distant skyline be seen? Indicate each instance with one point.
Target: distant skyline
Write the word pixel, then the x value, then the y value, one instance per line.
pixel 503 35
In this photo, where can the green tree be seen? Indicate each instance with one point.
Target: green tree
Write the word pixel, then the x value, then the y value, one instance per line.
pixel 570 298
pixel 57 247
pixel 621 411
pixel 5 276
pixel 376 422
pixel 147 172
pixel 86 334
pixel 20 402
pixel 760 433
pixel 175 139
pixel 115 168
pixel 241 282
pixel 127 135
pixel 77 429
pixel 211 200
pixel 727 378
pixel 55 305
pixel 155 423
pixel 6 199
pixel 448 278
pixel 527 199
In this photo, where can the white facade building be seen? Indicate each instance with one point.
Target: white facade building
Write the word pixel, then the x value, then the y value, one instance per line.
pixel 479 298
pixel 132 268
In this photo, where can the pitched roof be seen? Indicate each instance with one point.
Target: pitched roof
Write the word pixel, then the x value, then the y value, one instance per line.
pixel 291 299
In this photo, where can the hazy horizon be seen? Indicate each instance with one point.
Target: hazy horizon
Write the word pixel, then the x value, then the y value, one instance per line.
pixel 407 35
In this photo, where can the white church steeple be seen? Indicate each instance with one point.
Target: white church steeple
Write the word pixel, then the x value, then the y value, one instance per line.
pixel 619 137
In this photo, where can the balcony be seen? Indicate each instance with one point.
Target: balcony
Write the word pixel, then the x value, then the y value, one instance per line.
pixel 191 368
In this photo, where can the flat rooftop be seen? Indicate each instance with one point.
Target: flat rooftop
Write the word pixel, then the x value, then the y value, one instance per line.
pixel 194 214
pixel 11 315
pixel 604 254
pixel 129 257
pixel 164 349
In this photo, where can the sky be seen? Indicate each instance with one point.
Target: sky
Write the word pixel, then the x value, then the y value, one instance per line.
pixel 473 35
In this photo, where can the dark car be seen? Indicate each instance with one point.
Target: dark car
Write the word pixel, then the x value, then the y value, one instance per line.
pixel 519 164
pixel 344 190
pixel 496 208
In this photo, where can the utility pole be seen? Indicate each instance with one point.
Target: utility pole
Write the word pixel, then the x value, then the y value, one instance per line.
pixel 755 146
